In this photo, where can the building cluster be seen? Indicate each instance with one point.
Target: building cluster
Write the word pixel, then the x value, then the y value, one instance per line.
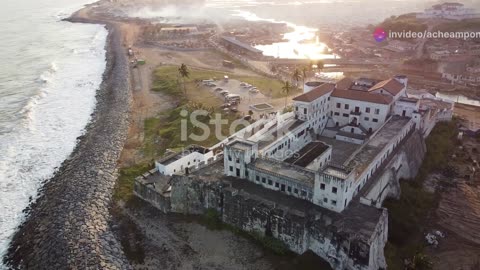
pixel 451 11
pixel 330 149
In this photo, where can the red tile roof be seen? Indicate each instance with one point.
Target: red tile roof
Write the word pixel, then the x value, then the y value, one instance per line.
pixel 316 93
pixel 362 96
pixel 391 85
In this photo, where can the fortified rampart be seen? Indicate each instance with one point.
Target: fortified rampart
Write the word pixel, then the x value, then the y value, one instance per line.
pixel 352 239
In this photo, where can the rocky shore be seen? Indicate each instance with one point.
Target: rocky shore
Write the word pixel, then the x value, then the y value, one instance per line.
pixel 69 226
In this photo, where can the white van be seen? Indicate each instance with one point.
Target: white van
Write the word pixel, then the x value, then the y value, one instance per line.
pixel 232 97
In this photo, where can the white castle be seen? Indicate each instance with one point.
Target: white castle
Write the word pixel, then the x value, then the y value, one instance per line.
pixel 452 11
pixel 330 149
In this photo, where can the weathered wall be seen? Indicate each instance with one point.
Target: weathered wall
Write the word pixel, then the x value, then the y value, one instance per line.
pixel 326 233
pixel 406 163
pixel 403 165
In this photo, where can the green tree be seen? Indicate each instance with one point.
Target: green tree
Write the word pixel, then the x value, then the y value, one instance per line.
pixel 320 65
pixel 296 76
pixel 286 90
pixel 184 73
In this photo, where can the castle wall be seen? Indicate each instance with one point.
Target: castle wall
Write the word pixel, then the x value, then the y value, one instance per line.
pixel 325 233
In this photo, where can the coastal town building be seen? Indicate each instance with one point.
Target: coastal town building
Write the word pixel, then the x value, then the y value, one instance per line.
pixel 236 46
pixel 332 152
pixel 449 10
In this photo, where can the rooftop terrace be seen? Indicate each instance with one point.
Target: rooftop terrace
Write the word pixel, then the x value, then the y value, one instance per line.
pixel 296 173
pixel 185 152
pixel 369 151
pixel 308 154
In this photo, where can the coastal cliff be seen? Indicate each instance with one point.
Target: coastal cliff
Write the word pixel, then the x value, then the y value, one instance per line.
pixel 69 225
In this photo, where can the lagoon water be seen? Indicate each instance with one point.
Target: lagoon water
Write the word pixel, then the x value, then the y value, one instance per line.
pixel 49 75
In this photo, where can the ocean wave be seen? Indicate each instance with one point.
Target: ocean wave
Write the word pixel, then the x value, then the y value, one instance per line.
pixel 57 106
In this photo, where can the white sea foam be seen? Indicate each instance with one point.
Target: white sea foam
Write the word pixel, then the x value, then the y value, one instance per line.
pixel 48 106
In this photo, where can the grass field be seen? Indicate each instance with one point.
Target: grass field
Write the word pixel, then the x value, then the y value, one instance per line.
pixel 166 77
pixel 164 131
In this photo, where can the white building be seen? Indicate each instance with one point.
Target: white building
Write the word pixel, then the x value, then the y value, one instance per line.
pixel 283 152
pixel 451 11
pixel 189 158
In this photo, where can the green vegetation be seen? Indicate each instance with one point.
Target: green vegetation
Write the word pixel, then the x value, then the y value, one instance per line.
pixel 124 187
pixel 213 221
pixel 286 90
pixel 166 79
pixel 409 215
pixel 164 131
pixel 407 22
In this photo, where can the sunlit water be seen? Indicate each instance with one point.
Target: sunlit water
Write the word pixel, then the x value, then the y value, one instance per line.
pixel 293 46
pixel 49 75
pixel 459 99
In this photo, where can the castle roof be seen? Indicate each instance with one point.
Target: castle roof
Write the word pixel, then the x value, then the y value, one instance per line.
pixel 316 93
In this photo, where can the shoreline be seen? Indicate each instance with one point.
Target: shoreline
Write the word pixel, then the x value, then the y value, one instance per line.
pixel 69 225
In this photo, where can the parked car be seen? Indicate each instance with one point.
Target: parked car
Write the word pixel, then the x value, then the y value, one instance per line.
pixel 234 109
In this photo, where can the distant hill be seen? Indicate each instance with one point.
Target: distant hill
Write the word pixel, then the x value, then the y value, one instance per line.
pixel 455 26
pixel 405 22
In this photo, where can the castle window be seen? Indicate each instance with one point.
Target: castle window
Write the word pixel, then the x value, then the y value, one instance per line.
pixel 367 109
pixel 375 120
pixel 270 182
pixel 231 168
pixel 345 115
pixel 257 178
pixel 325 200
pixel 339 105
pixel 334 190
pixel 289 189
pixel 229 158
pixel 322 186
pixel 347 106
pixel 277 184
pixel 295 191
pixel 367 119
pixel 334 202
pixel 264 180
pixel 377 111
pixel 337 113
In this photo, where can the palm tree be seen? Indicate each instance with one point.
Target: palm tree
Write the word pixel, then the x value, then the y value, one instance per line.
pixel 304 76
pixel 320 65
pixel 286 89
pixel 296 76
pixel 184 73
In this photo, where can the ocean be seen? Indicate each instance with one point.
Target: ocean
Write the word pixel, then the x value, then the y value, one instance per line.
pixel 49 75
